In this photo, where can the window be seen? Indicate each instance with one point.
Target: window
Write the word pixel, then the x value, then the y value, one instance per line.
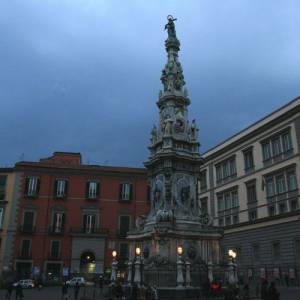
pixel 61 188
pixel 270 187
pixel 1 216
pixel 89 223
pixel 124 225
pixel 251 192
pixel 266 151
pixel 276 147
pixel 219 173
pixel 125 191
pixel 286 142
pixel 221 222
pixel 221 205
pixel 227 221
pixel 282 207
pixel 25 248
pixel 203 181
pixel 272 210
pixel 54 249
pixel 252 215
pixel 235 219
pixel 204 209
pixel 92 189
pixel 28 221
pixel 297 249
pixel 276 250
pixel 32 186
pixel 255 252
pixel 291 181
pixel 225 169
pixel 58 222
pixel 293 204
pixel 124 251
pixel 228 200
pixel 2 186
pixel 235 199
pixel 280 184
pixel 248 159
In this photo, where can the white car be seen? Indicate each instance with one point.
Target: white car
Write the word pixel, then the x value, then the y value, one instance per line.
pixel 25 283
pixel 75 280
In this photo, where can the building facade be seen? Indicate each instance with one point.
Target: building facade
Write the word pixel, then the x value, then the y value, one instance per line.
pixel 8 196
pixel 249 184
pixel 71 216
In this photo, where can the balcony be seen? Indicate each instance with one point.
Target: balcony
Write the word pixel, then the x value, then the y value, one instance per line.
pixel 89 232
pixel 27 229
pixel 122 233
pixel 54 256
pixel 53 230
pixel 25 255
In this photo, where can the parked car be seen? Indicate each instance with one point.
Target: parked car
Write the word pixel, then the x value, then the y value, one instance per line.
pixel 25 283
pixel 75 280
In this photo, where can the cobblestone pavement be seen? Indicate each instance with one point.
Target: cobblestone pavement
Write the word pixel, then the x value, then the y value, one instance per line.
pixel 54 293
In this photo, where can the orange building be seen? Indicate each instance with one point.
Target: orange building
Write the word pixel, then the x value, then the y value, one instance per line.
pixel 71 216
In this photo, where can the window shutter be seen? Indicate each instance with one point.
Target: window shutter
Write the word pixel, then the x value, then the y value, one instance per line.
pixel 120 191
pixel 131 192
pixel 87 185
pixel 26 186
pixel 37 186
pixel 54 220
pixel 84 222
pixel 66 188
pixel 93 223
pixel 55 188
pixel 63 220
pixel 98 189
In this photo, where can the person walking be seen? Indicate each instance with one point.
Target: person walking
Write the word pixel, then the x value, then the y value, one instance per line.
pixel 64 291
pixel 273 294
pixel 264 290
pixel 76 290
pixel 9 290
pixel 19 292
pixel 245 292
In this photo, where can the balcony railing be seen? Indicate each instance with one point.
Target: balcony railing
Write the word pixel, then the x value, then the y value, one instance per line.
pixel 88 230
pixel 27 229
pixel 25 255
pixel 54 256
pixel 56 230
pixel 122 233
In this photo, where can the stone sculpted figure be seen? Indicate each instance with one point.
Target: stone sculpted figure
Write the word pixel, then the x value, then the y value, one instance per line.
pixel 170 26
pixel 154 135
pixel 194 131
pixel 168 126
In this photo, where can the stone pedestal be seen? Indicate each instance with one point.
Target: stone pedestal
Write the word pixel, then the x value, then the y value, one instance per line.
pixel 137 271
pixel 180 280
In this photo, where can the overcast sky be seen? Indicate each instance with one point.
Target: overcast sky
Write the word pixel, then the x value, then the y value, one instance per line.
pixel 83 75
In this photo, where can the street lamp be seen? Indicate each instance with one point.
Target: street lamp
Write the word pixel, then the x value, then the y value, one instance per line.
pixel 114 264
pixel 232 267
pixel 180 279
pixel 137 266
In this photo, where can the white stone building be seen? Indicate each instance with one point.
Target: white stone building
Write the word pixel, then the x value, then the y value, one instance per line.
pixel 249 185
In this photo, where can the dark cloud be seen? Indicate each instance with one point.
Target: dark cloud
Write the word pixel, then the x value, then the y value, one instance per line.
pixel 83 75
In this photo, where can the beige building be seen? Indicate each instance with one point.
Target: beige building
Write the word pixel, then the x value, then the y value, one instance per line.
pixel 249 185
pixel 8 207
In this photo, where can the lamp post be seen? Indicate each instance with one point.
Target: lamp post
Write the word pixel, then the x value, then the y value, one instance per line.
pixel 232 267
pixel 113 275
pixel 210 272
pixel 137 267
pixel 180 279
pixel 129 274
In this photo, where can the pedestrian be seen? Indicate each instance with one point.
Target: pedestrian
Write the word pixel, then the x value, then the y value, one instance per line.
pixel 134 292
pixel 206 289
pixel 76 290
pixel 154 293
pixel 273 294
pixel 119 291
pixel 19 292
pixel 64 291
pixel 9 290
pixel 245 292
pixel 264 290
